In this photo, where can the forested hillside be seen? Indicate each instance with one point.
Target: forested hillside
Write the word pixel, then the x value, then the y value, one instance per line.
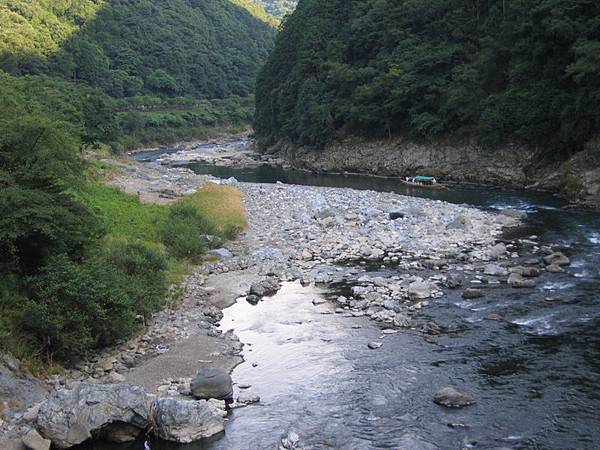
pixel 207 49
pixel 526 71
pixel 80 260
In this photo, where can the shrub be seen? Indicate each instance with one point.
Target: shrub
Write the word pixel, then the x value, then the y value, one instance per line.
pixel 145 273
pixel 183 230
pixel 74 308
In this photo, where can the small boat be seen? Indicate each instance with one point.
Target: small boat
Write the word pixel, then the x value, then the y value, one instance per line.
pixel 424 182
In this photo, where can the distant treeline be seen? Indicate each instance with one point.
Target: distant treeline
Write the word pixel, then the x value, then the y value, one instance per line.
pixel 495 70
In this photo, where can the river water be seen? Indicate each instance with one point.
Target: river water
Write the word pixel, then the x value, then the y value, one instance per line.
pixel 535 374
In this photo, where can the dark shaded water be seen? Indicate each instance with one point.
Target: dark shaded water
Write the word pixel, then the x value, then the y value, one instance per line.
pixel 535 374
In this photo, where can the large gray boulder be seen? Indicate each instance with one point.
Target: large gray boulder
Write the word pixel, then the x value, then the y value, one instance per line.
pixel 211 382
pixel 187 421
pixel 70 417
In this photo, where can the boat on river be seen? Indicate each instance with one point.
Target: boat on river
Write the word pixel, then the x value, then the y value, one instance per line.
pixel 425 182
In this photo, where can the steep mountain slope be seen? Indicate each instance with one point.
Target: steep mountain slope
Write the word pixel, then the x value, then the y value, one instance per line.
pixel 170 48
pixel 494 71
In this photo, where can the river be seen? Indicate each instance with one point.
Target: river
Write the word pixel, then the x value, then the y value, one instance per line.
pixel 534 374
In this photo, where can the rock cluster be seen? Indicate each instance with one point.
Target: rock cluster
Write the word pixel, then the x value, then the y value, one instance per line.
pixel 70 417
pixel 119 413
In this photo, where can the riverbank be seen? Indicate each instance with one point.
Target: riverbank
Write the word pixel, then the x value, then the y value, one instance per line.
pixel 577 180
pixel 316 235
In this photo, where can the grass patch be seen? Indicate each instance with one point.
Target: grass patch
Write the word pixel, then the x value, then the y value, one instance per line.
pixel 124 216
pixel 223 205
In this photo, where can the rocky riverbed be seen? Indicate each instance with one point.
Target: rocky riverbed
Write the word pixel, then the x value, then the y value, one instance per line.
pixel 323 236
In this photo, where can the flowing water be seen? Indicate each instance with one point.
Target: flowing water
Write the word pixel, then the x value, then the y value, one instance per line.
pixel 535 374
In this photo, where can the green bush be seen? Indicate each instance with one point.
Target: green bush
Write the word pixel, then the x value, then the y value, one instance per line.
pixel 74 308
pixel 183 230
pixel 145 273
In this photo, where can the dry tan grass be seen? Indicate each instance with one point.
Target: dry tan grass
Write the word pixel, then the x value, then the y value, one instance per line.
pixel 224 205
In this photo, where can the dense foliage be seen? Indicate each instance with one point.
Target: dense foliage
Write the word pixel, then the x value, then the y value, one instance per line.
pixel 183 229
pixel 80 262
pixel 498 70
pixel 39 167
pixel 209 49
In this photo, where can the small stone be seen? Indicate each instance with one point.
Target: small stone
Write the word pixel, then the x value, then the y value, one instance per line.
pixel 115 378
pixel 253 299
pixel 496 317
pixel 473 293
pixel 318 301
pixel 558 259
pixel 374 345
pixel 517 281
pixel 451 398
pixel 290 440
pixel 247 399
pixel 454 281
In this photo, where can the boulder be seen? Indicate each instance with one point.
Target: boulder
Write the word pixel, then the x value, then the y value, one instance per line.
pixel 70 417
pixel 186 421
pixel 495 270
pixel 472 293
pixel 554 268
pixel 453 281
pixel 451 398
pixel 222 253
pixel 531 272
pixel 528 272
pixel 421 289
pixel 247 399
pixel 33 441
pixel 497 251
pixel 517 281
pixel 434 263
pixel 402 321
pixel 268 286
pixel 557 259
pixel 253 299
pixel 395 215
pixel 211 382
pixel 290 440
